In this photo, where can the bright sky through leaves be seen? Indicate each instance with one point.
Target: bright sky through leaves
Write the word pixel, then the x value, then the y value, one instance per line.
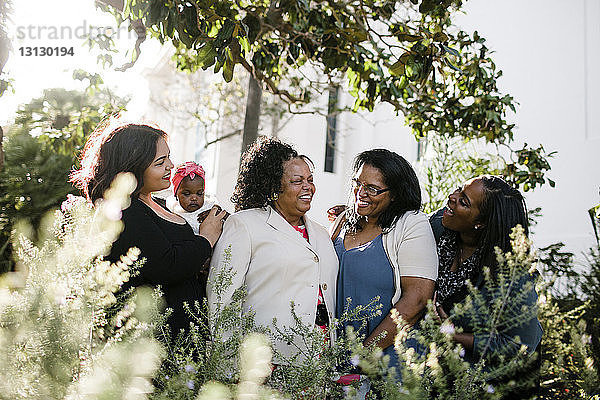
pixel 64 23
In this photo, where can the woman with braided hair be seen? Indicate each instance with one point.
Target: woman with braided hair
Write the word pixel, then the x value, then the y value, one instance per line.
pixel 478 217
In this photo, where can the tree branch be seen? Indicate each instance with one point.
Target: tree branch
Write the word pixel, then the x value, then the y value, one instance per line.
pixel 138 27
pixel 260 77
pixel 230 134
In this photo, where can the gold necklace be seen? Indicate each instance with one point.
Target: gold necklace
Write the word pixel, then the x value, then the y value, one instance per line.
pixel 358 241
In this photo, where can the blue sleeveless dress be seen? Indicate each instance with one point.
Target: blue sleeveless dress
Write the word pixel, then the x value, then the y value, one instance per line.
pixel 365 273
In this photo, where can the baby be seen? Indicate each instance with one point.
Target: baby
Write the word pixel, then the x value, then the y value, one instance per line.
pixel 188 189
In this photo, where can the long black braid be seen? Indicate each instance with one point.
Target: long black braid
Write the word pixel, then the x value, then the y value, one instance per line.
pixel 502 209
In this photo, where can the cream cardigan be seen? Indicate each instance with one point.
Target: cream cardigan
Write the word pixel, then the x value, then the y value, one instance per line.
pixel 410 247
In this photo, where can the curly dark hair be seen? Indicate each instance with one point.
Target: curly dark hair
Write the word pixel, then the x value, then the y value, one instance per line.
pixel 261 171
pixel 402 180
pixel 128 148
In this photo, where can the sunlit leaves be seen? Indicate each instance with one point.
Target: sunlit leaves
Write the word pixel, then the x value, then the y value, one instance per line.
pixel 405 54
pixel 40 149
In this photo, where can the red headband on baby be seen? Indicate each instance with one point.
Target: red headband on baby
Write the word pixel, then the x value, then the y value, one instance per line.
pixel 188 168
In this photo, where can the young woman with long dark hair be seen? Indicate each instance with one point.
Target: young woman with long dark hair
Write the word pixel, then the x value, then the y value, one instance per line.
pixel 174 255
pixel 480 216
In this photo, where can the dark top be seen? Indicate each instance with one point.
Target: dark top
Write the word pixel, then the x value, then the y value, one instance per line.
pixel 504 341
pixel 174 257
pixel 451 286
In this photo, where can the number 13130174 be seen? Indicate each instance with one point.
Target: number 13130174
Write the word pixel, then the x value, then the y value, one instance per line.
pixel 46 51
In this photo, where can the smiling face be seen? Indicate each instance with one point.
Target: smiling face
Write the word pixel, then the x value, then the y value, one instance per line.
pixel 158 174
pixel 297 190
pixel 462 211
pixel 365 205
pixel 190 193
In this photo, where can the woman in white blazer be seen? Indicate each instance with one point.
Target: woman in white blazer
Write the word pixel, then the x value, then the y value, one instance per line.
pixel 276 251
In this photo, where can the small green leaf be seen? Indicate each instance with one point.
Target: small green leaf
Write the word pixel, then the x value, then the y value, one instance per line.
pixel 440 37
pixel 451 50
pixel 228 69
pixel 127 10
pixel 397 68
pixel 245 44
pixel 403 82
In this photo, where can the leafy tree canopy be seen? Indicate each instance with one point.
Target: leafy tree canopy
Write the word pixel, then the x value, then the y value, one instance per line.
pixel 406 53
pixel 41 148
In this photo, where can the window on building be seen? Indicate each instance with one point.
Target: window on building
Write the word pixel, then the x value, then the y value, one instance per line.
pixel 331 131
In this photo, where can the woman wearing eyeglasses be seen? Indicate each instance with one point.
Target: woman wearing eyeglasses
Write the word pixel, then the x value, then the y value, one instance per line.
pixel 385 246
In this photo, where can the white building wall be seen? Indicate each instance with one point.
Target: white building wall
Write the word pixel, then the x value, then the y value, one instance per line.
pixel 549 51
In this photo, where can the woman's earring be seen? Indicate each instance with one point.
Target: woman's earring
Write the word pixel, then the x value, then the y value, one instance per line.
pixel 274 197
pixel 477 227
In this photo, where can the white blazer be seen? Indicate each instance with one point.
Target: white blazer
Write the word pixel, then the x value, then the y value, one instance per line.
pixel 278 266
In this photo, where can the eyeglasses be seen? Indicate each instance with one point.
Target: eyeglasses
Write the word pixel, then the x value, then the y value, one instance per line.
pixel 369 190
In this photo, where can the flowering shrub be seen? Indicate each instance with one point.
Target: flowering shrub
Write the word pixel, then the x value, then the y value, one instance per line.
pixel 66 334
pixel 58 337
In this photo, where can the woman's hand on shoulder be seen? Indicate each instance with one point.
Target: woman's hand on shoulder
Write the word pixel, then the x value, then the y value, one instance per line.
pixel 335 211
pixel 212 224
pixel 440 313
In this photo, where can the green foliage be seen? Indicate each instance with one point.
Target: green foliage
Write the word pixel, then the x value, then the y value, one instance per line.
pixel 447 164
pixel 495 309
pixel 40 149
pixel 442 373
pixel 62 332
pixel 568 370
pixel 309 374
pixel 408 54
pixel 570 314
pixel 66 334
pixel 194 364
pixel 193 361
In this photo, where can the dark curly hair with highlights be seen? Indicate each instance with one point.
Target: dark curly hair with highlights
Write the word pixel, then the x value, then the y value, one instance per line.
pixel 261 171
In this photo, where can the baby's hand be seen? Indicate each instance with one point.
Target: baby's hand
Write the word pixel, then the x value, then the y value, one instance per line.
pixel 202 216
